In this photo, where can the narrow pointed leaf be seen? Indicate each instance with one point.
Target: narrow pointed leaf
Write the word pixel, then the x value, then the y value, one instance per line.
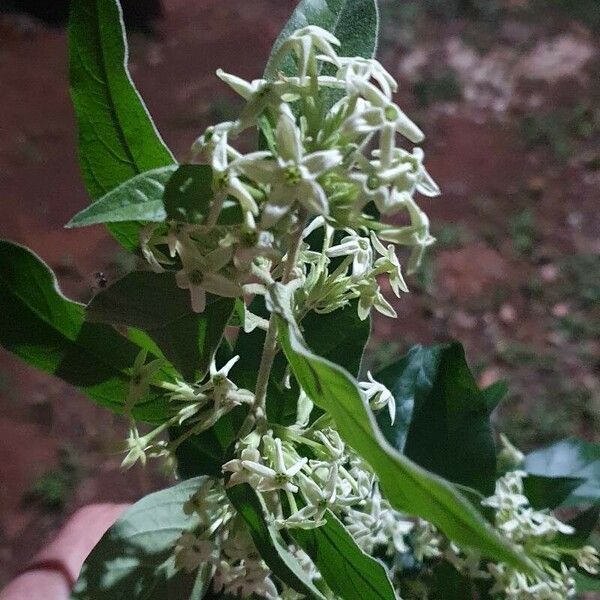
pixel 153 302
pixel 137 199
pixel 117 138
pixel 407 486
pixel 251 508
pixel 347 570
pixel 48 331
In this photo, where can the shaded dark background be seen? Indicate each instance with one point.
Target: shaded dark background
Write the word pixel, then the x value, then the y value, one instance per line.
pixel 507 92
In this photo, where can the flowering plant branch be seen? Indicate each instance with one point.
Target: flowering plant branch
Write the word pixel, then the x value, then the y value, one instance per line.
pixel 300 480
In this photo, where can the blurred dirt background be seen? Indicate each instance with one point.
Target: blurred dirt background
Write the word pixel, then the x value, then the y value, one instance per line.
pixel 507 92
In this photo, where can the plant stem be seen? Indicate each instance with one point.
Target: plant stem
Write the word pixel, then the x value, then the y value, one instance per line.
pixel 270 348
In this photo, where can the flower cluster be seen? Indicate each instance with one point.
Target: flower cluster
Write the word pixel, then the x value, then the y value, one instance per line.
pixel 196 407
pixel 536 531
pixel 220 542
pixel 327 166
pixel 306 214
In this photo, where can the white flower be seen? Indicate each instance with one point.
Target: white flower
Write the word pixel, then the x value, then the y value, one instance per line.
pixel 277 478
pixel 416 235
pixel 390 113
pixel 359 248
pixel 199 274
pixel 587 558
pixel 225 178
pixel 370 296
pixel 140 447
pixel 206 143
pixel 292 176
pixel 365 69
pixel 260 95
pixel 148 247
pixel 303 42
pixel 191 552
pixel 405 171
pixel 225 392
pixel 378 396
pixel 319 499
pixel 389 264
pixel 239 473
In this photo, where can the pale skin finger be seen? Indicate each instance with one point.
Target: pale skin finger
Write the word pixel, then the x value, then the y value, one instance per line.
pixel 53 571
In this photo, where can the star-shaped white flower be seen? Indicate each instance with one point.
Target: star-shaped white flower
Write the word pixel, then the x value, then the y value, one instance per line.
pixel 359 248
pixel 292 176
pixel 378 396
pixel 388 264
pixel 191 552
pixel 304 42
pixel 200 274
pixel 278 478
pixel 319 499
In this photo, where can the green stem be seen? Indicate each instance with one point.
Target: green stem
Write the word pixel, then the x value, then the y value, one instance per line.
pixel 270 347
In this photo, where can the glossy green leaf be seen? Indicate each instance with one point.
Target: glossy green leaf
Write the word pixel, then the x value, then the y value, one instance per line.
pixel 569 458
pixel 339 336
pixel 407 486
pixel 442 418
pixel 189 193
pixel 205 453
pixel 137 199
pixel 48 331
pixel 251 508
pixel 549 492
pixel 153 302
pixel 117 138
pixel 354 22
pixel 134 560
pixel 348 571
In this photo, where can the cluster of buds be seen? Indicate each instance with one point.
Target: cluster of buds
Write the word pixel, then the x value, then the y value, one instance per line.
pixel 327 167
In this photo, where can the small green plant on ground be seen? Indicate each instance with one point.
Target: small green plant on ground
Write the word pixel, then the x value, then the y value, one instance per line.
pixel 301 476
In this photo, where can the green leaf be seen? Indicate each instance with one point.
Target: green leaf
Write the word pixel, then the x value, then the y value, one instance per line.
pixel 442 419
pixel 584 524
pixel 354 22
pixel 347 570
pixel 137 199
pixel 205 453
pixel 134 560
pixel 448 584
pixel 48 331
pixel 117 138
pixel 493 394
pixel 189 193
pixel 407 486
pixel 569 458
pixel 153 302
pixel 586 583
pixel 549 492
pixel 339 336
pixel 268 542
